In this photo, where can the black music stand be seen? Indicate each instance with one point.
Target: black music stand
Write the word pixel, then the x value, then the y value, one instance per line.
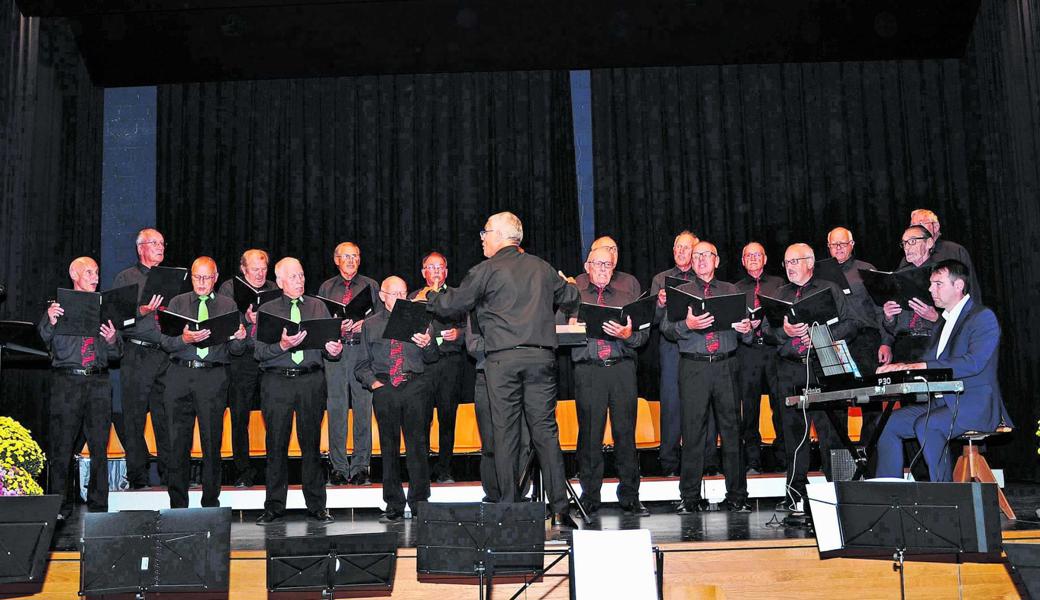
pixel 1024 562
pixel 148 552
pixel 901 519
pixel 27 526
pixel 20 337
pixel 360 562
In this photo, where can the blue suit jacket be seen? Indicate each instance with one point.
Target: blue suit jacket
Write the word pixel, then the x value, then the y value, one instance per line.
pixel 971 352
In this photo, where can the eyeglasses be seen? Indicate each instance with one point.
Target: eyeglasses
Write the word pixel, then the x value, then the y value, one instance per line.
pixel 348 256
pixel 753 255
pixel 839 245
pixel 484 232
pixel 600 264
pixel 703 255
pixel 794 261
pixel 911 242
pixel 204 278
pixel 154 243
pixel 398 295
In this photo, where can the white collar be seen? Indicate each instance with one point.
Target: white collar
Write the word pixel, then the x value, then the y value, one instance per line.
pixel 951 314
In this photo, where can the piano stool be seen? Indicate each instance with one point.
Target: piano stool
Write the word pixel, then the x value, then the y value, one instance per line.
pixel 972 465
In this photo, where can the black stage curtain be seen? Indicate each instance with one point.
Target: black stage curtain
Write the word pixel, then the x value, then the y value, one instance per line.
pixel 50 174
pixel 399 164
pixel 783 153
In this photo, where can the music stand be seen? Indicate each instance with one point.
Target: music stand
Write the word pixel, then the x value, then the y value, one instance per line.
pixel 20 337
pixel 361 562
pixel 899 519
pixel 27 526
pixel 1024 562
pixel 147 552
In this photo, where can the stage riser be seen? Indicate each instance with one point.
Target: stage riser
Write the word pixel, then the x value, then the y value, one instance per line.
pixel 651 490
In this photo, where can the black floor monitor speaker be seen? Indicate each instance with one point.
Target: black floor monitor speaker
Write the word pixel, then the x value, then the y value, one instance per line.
pixel 504 538
pixel 1024 560
pixel 147 552
pixel 360 562
pixel 26 527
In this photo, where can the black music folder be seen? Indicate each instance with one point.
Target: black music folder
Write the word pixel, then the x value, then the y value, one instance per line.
pixel 594 316
pixel 677 301
pixel 674 282
pixel 818 307
pixel 406 320
pixel 166 282
pixel 829 269
pixel 356 310
pixel 247 295
pixel 82 313
pixel 726 308
pixel 119 305
pixel 269 330
pixel 221 328
pixel 899 286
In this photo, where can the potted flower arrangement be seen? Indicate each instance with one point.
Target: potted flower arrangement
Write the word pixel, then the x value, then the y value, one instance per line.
pixel 21 460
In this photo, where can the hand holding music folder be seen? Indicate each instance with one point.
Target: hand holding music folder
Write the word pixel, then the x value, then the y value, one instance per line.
pixel 594 316
pixel 727 309
pixel 356 310
pixel 166 282
pixel 406 320
pixel 319 331
pixel 898 286
pixel 221 328
pixel 247 296
pixel 818 307
pixel 85 312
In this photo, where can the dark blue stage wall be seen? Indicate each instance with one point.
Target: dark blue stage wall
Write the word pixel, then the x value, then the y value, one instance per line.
pixel 406 163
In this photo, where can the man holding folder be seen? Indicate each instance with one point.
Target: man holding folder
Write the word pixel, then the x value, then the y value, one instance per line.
pixel 707 376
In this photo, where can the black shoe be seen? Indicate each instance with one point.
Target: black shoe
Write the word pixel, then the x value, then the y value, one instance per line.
pixel 672 473
pixel 563 520
pixel 338 478
pixel 741 506
pixel 754 468
pixel 321 516
pixel 244 481
pixel 688 507
pixel 711 470
pixel 392 515
pixel 635 508
pixel 140 486
pixel 361 478
pixel 269 518
pixel 445 478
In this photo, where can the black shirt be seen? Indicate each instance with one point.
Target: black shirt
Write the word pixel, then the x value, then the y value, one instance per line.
pixel 475 345
pixel 612 296
pixel 513 293
pixel 68 351
pixel 696 342
pixel 945 250
pixel 788 291
pixel 335 287
pixel 145 329
pixel 657 284
pixel 374 361
pixel 768 285
pixel 187 305
pixel 272 355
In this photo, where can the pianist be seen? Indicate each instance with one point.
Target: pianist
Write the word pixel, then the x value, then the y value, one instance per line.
pixel 965 342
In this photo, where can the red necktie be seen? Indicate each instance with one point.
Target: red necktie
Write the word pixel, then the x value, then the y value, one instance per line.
pixel 799 347
pixel 914 320
pixel 86 352
pixel 758 303
pixel 396 363
pixel 349 294
pixel 602 347
pixel 711 341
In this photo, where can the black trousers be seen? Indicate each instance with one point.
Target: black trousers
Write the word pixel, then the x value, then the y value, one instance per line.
pixel 79 402
pixel 488 474
pixel 243 397
pixel 444 379
pixel 403 409
pixel 597 389
pixel 280 397
pixel 791 380
pixel 189 394
pixel 864 351
pixel 757 375
pixel 701 384
pixel 141 382
pixel 522 382
pixel 671 432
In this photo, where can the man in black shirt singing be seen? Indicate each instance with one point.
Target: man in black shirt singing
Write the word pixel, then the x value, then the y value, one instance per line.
pixel 395 372
pixel 142 366
pixel 195 385
pixel 292 381
pixel 514 294
pixel 244 387
pixel 81 395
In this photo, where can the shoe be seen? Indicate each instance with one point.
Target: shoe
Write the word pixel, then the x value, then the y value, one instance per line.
pixel 741 506
pixel 786 505
pixel 635 508
pixel 446 478
pixel 672 473
pixel 244 481
pixel 361 478
pixel 269 518
pixel 754 469
pixel 392 515
pixel 688 507
pixel 338 478
pixel 321 516
pixel 563 520
pixel 711 470
pixel 140 486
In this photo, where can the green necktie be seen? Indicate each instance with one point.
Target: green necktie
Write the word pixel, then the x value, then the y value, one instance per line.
pixel 294 316
pixel 203 315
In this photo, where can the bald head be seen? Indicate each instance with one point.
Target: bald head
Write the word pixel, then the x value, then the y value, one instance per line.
pixel 391 290
pixel 288 274
pixel 799 262
pixel 253 265
pixel 682 249
pixel 347 257
pixel 608 243
pixel 753 257
pixel 84 272
pixel 203 275
pixel 600 266
pixel 705 260
pixel 840 244
pixel 151 247
pixel 927 219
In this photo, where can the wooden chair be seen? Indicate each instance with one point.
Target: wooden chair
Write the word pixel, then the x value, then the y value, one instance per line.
pixel 972 465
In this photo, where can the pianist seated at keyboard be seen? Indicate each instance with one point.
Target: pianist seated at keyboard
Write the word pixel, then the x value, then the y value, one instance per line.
pixel 966 342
